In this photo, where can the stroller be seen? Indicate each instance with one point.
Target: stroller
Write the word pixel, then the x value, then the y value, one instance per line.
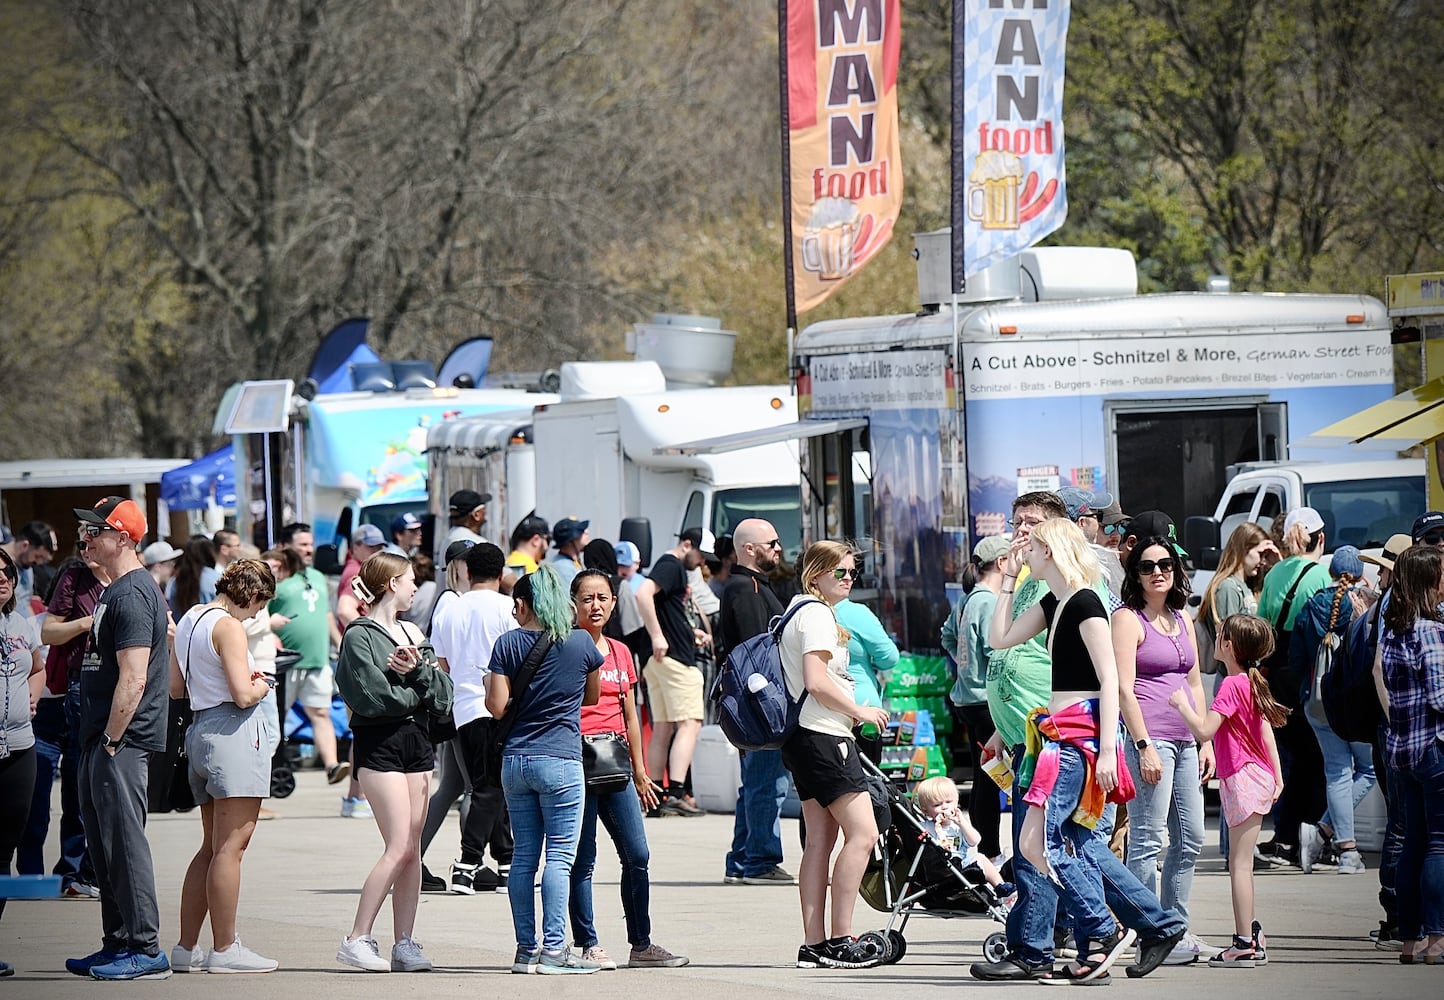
pixel 910 869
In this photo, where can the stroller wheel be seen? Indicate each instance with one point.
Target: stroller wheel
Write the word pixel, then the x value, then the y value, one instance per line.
pixel 283 782
pixel 878 943
pixel 995 946
pixel 897 947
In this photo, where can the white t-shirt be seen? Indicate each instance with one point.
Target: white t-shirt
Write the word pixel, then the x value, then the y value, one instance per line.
pixel 812 630
pixel 464 631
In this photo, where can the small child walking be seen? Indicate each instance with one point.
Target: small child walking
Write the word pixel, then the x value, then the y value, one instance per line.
pixel 937 798
pixel 1241 723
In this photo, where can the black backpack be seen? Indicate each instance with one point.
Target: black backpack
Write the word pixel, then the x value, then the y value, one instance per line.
pixel 1351 703
pixel 1285 683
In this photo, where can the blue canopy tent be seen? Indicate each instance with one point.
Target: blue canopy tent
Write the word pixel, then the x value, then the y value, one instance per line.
pixel 191 487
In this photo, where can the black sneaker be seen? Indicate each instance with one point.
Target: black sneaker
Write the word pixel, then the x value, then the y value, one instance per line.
pixel 463 878
pixel 1152 953
pixel 430 882
pixel 809 956
pixel 1260 945
pixel 1009 968
pixel 849 953
pixel 503 872
pixel 486 880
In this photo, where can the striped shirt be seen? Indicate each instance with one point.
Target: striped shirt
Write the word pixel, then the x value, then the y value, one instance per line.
pixel 1414 677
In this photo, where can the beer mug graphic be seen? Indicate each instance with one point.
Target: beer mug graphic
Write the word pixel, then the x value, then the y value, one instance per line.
pixel 993 189
pixel 829 238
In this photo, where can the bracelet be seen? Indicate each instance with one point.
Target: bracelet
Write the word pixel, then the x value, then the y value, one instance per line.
pixel 1004 591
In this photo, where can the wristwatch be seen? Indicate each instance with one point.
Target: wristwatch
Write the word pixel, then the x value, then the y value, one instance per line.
pixel 1141 744
pixel 107 743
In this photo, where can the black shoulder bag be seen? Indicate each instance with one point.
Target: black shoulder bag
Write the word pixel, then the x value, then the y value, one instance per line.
pixel 519 683
pixel 1285 684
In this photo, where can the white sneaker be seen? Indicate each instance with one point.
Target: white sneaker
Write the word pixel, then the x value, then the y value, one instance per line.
pixel 406 956
pixel 357 808
pixel 188 959
pixel 362 953
pixel 239 959
pixel 1186 952
pixel 1351 862
pixel 1311 846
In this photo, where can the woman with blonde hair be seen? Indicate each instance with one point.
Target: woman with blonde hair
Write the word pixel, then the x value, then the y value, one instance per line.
pixel 1073 766
pixel 823 758
pixel 390 680
pixel 230 761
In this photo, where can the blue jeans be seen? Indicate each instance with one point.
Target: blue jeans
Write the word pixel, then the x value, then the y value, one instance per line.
pixel 1348 777
pixel 1393 836
pixel 1030 922
pixel 1078 877
pixel 57 751
pixel 1173 806
pixel 757 827
pixel 1420 883
pixel 621 814
pixel 544 796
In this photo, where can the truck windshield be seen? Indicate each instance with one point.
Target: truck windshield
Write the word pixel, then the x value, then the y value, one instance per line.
pixel 781 505
pixel 1365 512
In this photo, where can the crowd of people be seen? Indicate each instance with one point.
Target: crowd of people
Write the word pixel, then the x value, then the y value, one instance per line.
pixel 526 678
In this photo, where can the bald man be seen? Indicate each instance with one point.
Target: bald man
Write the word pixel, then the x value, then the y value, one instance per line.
pixel 748 607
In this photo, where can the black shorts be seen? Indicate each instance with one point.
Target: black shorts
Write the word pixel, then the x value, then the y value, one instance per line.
pixel 824 768
pixel 393 746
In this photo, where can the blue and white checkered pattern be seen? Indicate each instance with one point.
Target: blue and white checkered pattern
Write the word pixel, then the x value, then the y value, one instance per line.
pixel 980 55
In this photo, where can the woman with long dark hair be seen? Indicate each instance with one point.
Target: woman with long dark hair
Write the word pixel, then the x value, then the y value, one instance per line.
pixel 614 719
pixel 195 576
pixel 1153 643
pixel 1410 682
pixel 1247 557
pixel 541 764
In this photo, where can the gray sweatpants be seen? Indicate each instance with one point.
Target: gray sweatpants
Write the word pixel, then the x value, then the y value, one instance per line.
pixel 112 807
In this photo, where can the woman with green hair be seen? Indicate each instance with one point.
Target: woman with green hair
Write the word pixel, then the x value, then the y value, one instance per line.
pixel 541 763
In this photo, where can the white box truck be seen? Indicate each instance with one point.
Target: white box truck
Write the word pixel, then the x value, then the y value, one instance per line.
pixel 1031 385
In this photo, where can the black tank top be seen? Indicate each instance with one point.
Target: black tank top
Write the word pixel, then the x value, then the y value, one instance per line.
pixel 1073 667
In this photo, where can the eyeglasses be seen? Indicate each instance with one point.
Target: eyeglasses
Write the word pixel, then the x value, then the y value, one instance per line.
pixel 1147 567
pixel 841 573
pixel 1025 522
pixel 1120 529
pixel 94 530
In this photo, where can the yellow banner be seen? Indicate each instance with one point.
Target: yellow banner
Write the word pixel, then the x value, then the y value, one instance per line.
pixel 1415 294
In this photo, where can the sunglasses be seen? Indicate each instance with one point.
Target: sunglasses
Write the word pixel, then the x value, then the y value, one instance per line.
pixel 1432 538
pixel 840 573
pixel 94 530
pixel 1121 529
pixel 1146 567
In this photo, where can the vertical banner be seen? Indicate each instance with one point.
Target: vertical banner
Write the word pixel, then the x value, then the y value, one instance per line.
pixel 842 157
pixel 1008 183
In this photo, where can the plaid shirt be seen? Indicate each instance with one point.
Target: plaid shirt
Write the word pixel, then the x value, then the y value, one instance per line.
pixel 1414 677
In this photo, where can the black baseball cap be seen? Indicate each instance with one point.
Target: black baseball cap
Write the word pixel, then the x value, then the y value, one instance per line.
pixel 1430 520
pixel 1155 523
pixel 457 549
pixel 466 501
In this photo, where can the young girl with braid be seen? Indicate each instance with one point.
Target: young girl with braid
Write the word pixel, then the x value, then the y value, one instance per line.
pixel 1241 723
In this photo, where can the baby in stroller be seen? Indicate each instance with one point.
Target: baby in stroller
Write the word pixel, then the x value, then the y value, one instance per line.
pixel 937 800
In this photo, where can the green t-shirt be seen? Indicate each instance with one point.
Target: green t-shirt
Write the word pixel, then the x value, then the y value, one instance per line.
pixel 1277 583
pixel 973 648
pixel 303 599
pixel 1020 679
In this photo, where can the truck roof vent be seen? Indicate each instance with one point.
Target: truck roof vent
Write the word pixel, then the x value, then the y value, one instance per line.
pixel 692 351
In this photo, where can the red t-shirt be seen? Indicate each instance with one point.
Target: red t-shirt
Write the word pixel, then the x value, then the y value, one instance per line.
pixel 618 675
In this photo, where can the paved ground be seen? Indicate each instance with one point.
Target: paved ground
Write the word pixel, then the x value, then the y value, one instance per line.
pixel 303 872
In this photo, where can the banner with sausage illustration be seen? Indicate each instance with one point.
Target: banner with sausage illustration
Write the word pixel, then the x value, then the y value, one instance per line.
pixel 846 179
pixel 1009 189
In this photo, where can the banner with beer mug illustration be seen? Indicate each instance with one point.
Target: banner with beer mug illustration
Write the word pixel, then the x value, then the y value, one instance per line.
pixel 844 190
pixel 1009 188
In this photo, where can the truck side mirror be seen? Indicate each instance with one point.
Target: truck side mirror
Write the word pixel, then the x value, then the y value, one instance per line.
pixel 638 531
pixel 1200 538
pixel 327 560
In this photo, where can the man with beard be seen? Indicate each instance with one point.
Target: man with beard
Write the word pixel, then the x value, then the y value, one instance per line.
pixel 748 607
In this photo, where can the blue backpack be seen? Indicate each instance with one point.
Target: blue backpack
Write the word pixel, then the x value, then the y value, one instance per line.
pixel 1350 701
pixel 750 694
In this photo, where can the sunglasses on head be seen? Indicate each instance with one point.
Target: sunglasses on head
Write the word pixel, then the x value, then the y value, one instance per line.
pixel 1146 567
pixel 840 573
pixel 1121 528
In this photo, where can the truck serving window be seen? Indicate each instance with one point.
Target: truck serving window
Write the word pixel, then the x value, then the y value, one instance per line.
pixel 1365 512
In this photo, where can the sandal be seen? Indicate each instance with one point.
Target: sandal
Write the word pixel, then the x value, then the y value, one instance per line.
pixel 1069 976
pixel 1094 967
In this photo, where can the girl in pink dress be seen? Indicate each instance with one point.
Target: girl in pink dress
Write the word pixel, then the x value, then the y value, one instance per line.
pixel 1241 723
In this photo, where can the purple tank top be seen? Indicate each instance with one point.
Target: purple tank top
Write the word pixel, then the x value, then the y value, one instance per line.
pixel 1163 665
